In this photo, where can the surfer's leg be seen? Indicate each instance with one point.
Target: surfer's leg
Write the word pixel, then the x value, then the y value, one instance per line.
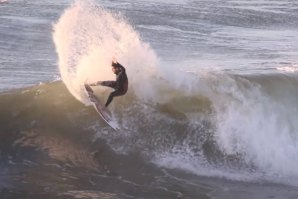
pixel 95 83
pixel 111 84
pixel 112 95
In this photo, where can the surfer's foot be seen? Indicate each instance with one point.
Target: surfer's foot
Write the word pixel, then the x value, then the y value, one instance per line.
pixel 88 88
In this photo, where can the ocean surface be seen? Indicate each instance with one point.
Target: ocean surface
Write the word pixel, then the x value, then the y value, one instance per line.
pixel 211 111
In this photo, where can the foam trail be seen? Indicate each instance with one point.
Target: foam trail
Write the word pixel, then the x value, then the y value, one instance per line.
pixel 262 129
pixel 87 37
pixel 253 123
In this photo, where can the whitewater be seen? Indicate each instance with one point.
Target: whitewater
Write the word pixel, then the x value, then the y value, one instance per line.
pixel 211 110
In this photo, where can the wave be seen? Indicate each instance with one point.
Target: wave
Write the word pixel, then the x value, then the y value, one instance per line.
pixel 222 125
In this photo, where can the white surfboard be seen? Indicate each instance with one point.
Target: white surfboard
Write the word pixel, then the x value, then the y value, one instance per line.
pixel 101 109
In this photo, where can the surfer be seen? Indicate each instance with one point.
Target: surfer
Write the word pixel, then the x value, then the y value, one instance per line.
pixel 120 85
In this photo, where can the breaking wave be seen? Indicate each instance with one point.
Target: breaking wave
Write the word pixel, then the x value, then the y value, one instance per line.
pixel 213 124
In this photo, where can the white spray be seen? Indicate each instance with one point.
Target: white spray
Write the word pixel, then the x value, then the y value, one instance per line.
pixel 254 124
pixel 248 122
pixel 87 37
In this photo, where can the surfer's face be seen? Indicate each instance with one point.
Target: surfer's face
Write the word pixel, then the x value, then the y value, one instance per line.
pixel 115 70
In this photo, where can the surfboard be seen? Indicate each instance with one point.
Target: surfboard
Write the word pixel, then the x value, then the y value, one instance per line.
pixel 104 112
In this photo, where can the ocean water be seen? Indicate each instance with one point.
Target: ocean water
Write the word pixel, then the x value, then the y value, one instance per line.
pixel 211 110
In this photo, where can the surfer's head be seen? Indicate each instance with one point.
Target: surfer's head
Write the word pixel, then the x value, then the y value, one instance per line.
pixel 114 65
pixel 115 68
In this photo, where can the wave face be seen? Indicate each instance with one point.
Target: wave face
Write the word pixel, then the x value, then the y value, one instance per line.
pixel 213 124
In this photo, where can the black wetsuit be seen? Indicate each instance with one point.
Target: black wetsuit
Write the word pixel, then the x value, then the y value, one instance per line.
pixel 120 85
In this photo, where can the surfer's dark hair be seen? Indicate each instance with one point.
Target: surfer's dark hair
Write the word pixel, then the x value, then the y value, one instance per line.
pixel 116 65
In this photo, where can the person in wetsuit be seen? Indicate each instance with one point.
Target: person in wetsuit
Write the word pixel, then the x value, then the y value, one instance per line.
pixel 120 85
